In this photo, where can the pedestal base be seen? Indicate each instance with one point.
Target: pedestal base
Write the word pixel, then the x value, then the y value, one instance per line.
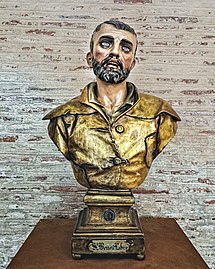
pixel 113 241
pixel 109 225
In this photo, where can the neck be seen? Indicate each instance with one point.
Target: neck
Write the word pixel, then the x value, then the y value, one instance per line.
pixel 111 96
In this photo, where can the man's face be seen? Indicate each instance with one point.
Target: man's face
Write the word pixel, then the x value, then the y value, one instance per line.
pixel 113 54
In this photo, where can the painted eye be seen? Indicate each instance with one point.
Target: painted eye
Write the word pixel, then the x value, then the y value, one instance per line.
pixel 105 44
pixel 126 49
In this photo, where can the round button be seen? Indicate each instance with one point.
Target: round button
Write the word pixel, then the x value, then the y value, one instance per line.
pixel 119 129
pixel 117 160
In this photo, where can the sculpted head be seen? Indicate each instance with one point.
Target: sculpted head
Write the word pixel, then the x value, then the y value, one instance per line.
pixel 112 51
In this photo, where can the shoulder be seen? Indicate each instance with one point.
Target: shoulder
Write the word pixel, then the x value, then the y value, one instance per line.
pixel 150 106
pixel 72 107
pixel 62 109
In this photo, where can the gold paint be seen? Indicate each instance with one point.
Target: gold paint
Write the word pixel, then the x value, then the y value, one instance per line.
pixel 101 156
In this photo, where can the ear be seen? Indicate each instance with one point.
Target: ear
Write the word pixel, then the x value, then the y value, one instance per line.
pixel 89 58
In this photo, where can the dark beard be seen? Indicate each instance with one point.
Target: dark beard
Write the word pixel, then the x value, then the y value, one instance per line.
pixel 110 76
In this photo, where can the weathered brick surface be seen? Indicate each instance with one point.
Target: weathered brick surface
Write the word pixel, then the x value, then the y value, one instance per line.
pixel 42 53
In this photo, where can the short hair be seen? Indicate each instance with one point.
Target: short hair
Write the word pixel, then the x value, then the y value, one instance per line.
pixel 117 24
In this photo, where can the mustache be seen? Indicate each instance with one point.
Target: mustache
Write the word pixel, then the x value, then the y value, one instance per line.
pixel 109 58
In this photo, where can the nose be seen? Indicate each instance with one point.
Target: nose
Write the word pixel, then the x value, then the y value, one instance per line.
pixel 115 49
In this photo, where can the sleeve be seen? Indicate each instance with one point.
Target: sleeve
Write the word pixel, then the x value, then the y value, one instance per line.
pixel 167 130
pixel 59 134
pixel 167 127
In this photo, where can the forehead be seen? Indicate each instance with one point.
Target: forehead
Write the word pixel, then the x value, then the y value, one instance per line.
pixel 110 30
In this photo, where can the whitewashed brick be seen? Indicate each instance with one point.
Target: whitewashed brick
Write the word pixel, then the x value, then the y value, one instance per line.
pixel 42 54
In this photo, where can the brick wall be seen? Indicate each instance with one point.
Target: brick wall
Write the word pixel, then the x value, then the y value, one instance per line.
pixel 42 52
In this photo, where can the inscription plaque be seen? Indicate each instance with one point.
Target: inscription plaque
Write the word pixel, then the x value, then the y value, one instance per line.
pixel 109 246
